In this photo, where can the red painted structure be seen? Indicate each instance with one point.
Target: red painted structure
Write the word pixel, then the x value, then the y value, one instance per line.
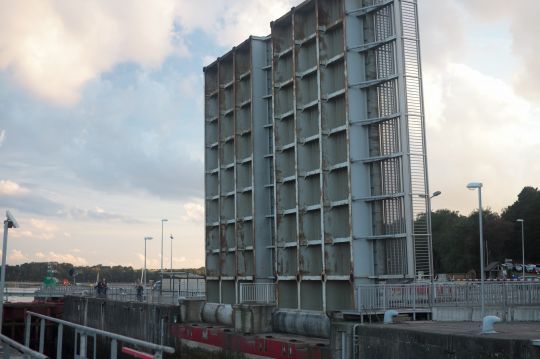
pixel 269 345
pixel 136 354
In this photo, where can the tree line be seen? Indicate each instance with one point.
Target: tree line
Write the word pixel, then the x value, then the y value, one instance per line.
pixel 456 247
pixel 37 271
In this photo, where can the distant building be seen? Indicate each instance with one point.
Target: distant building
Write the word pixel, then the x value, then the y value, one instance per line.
pixel 315 156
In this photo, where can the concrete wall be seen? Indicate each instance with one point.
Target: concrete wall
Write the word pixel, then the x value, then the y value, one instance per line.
pixel 507 314
pixel 132 319
pixel 380 342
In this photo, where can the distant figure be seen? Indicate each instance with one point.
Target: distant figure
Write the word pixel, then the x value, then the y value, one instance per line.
pixel 140 290
pixel 104 287
pixel 99 288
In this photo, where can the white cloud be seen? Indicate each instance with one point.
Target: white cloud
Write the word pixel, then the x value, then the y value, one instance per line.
pixel 17 257
pixel 63 258
pixel 231 22
pixel 37 229
pixel 193 212
pixel 524 28
pixel 54 47
pixel 150 262
pixel 43 225
pixel 208 59
pixel 10 188
pixel 2 136
pixel 474 125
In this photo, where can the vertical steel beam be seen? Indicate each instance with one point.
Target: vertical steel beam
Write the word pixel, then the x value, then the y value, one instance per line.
pixel 295 127
pixel 59 341
pixel 114 349
pixel 27 328
pixel 42 335
pixel 83 346
pixel 321 159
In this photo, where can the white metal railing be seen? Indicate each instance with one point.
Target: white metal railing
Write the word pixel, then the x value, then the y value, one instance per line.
pixel 148 295
pixel 82 333
pixel 426 295
pixel 257 293
pixel 195 293
pixel 60 291
pixel 127 293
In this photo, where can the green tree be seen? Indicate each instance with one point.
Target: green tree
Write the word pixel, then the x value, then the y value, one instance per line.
pixel 527 207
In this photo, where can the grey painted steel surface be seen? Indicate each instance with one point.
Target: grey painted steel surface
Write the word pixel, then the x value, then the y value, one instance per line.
pixel 217 313
pixel 339 193
pixel 311 324
pixel 238 174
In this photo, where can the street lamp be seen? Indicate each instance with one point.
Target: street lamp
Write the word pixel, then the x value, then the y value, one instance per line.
pixel 171 252
pixel 473 186
pixel 161 286
pixel 428 217
pixel 144 273
pixel 9 222
pixel 522 247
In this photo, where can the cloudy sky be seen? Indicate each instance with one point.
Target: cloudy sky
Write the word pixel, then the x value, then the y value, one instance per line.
pixel 101 121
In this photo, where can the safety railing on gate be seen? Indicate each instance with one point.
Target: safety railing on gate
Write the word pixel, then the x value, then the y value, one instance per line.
pixel 258 293
pixel 426 295
pixel 82 333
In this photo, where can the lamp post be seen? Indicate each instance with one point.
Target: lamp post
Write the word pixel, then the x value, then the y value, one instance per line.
pixel 522 247
pixel 144 273
pixel 428 197
pixel 473 186
pixel 171 252
pixel 161 286
pixel 9 222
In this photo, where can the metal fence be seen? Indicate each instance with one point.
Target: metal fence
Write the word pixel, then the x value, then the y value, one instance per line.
pixel 148 295
pixel 420 295
pixel 257 293
pixel 126 294
pixel 60 291
pixel 82 333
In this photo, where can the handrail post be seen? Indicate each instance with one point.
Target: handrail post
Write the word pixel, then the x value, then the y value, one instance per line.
pixel 114 349
pixel 42 336
pixel 59 341
pixel 27 326
pixel 414 301
pixel 82 351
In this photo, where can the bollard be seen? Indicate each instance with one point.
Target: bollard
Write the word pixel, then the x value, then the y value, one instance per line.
pixel 487 324
pixel 389 315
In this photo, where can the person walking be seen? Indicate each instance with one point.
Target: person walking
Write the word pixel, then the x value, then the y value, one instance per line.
pixel 140 290
pixel 98 289
pixel 104 288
